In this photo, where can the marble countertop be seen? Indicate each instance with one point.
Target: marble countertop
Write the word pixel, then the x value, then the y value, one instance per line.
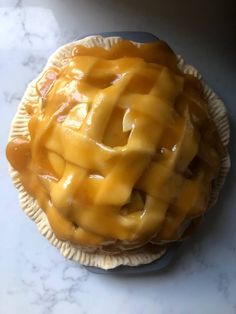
pixel 35 278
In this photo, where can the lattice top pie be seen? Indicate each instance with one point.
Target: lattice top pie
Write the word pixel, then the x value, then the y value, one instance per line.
pixel 120 150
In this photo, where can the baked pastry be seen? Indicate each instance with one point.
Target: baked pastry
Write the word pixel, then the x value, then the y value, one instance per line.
pixel 117 150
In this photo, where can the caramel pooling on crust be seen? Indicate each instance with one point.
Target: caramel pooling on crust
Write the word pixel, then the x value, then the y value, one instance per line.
pixel 121 149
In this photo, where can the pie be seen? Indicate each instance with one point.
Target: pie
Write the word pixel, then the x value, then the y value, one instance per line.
pixel 118 149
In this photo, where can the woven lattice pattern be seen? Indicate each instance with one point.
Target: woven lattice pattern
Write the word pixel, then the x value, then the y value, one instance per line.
pixel 122 149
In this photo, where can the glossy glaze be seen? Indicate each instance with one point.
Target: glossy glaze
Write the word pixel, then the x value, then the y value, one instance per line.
pixel 116 153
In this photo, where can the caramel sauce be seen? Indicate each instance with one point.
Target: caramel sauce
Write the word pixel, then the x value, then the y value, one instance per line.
pixel 110 150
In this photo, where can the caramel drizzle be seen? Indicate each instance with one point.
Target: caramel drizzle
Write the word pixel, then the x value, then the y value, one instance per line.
pixel 122 147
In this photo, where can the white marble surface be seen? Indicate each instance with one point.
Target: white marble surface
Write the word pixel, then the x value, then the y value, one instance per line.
pixel 35 279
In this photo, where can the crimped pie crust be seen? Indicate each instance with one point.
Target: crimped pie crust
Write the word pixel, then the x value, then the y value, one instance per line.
pixel 19 126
